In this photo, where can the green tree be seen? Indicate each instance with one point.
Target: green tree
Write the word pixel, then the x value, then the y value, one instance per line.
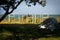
pixel 13 4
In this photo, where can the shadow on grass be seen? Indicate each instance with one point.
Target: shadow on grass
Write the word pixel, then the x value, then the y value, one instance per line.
pixel 26 32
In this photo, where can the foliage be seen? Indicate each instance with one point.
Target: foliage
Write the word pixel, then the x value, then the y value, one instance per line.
pixel 10 5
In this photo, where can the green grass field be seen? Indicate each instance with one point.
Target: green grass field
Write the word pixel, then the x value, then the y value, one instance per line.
pixel 25 32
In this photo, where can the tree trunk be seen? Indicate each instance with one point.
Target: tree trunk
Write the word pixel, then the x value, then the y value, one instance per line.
pixel 2 18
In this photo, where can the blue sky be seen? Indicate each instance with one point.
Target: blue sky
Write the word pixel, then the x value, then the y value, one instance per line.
pixel 52 7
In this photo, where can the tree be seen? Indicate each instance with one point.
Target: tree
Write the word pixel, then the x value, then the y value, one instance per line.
pixel 13 4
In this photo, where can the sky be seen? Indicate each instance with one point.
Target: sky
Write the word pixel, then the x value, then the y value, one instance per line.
pixel 52 8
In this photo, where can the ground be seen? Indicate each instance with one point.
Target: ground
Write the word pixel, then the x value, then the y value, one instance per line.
pixel 25 32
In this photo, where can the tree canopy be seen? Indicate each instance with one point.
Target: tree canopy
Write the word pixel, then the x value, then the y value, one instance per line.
pixel 13 4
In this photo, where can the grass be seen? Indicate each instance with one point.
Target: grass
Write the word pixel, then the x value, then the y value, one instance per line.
pixel 29 32
pixel 26 32
pixel 24 21
pixel 50 38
